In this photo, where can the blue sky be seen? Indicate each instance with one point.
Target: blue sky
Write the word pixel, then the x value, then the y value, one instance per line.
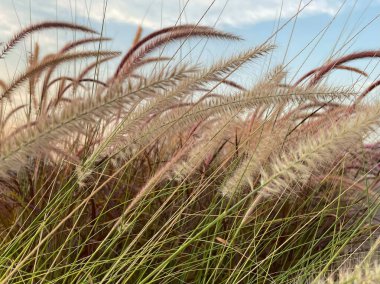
pixel 324 28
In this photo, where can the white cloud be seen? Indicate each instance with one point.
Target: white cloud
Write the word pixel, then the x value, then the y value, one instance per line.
pixel 155 13
pixel 9 23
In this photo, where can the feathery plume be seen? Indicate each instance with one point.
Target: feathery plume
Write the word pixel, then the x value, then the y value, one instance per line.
pixel 37 138
pixel 41 26
pixel 157 39
pixel 187 87
pixel 203 147
pixel 249 169
pixel 51 61
pixel 293 169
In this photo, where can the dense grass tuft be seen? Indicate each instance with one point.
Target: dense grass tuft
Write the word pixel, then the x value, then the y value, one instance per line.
pixel 174 173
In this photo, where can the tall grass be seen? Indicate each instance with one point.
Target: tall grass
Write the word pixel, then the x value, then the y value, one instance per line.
pixel 180 174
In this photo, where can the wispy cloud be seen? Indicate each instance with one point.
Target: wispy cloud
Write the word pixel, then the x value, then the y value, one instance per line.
pixel 156 13
pixel 9 22
pixel 234 12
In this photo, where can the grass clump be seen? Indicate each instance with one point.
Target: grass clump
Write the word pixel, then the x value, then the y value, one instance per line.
pixel 182 175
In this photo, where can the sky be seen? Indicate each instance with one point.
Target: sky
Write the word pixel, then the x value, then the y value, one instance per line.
pixel 306 32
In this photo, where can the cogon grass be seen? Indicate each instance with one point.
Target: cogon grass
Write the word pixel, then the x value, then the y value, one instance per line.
pixel 166 177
